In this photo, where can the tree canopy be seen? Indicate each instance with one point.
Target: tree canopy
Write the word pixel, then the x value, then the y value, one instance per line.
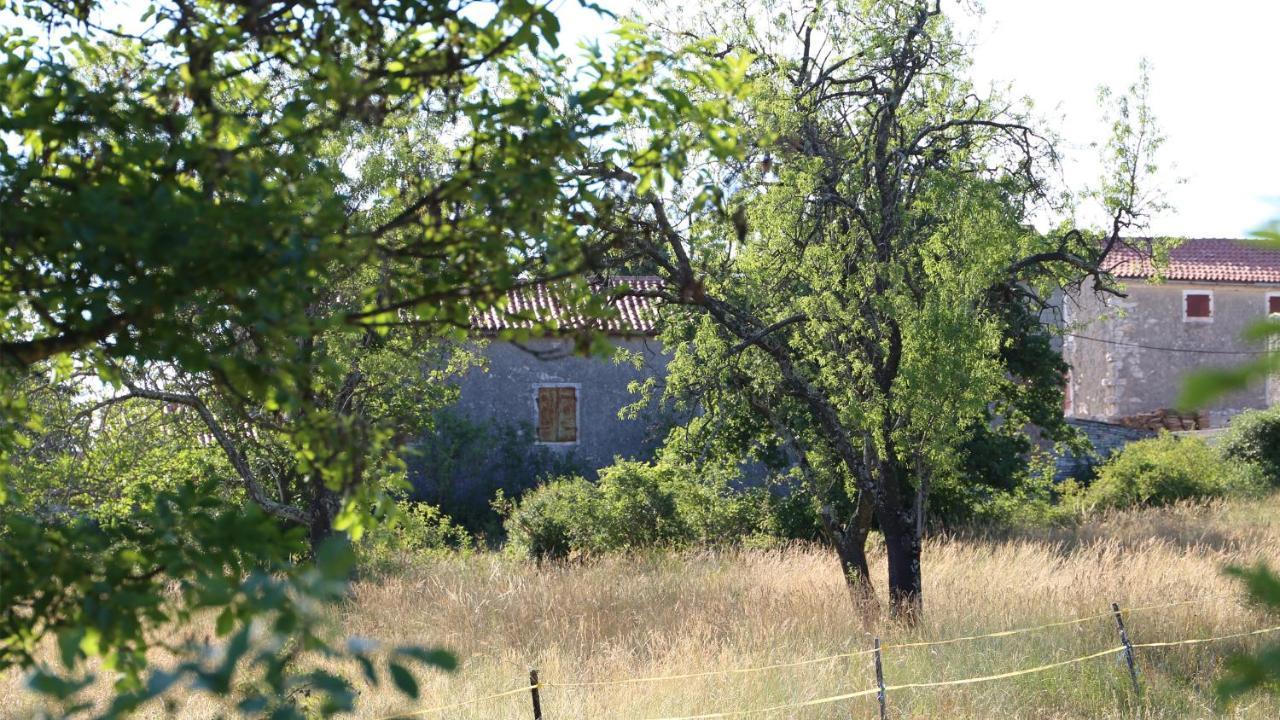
pixel 870 286
pixel 259 215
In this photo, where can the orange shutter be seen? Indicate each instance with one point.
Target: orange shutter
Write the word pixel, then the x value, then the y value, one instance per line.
pixel 546 414
pixel 567 410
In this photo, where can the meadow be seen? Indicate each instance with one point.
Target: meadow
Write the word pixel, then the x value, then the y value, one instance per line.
pixel 686 613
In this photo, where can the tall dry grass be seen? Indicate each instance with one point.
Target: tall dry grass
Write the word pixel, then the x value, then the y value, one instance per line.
pixel 664 614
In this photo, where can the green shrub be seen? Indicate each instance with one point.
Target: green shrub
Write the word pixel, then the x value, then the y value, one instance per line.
pixel 632 505
pixel 414 530
pixel 1254 438
pixel 1160 471
pixel 551 520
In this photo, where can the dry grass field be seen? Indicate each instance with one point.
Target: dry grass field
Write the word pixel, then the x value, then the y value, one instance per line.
pixel 698 612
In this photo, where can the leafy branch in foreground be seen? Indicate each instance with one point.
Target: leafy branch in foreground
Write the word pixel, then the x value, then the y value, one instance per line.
pixel 216 208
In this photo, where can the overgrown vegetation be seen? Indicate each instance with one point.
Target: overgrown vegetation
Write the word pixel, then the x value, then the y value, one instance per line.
pixel 635 505
pixel 1164 470
pixel 1253 438
pixel 240 245
pixel 273 220
pixel 643 614
pixel 460 465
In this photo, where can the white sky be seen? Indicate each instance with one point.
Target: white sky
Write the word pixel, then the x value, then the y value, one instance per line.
pixel 1214 90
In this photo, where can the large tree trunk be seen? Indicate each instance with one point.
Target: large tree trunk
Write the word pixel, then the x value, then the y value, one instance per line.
pixel 902 542
pixel 902 547
pixel 850 542
pixel 322 507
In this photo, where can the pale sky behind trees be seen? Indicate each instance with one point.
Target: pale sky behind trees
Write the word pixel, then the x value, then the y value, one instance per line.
pixel 1214 90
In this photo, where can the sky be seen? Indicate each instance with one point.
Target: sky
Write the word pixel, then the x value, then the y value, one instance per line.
pixel 1213 90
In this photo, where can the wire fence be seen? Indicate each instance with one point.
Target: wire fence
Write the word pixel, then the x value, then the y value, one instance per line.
pixel 534 687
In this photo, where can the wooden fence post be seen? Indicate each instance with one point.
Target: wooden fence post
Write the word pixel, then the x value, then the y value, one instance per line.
pixel 884 710
pixel 1128 650
pixel 533 690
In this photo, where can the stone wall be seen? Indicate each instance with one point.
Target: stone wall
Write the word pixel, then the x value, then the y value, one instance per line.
pixel 1105 439
pixel 1130 355
pixel 504 392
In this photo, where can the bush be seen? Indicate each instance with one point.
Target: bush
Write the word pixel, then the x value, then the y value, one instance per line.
pixel 1254 438
pixel 461 464
pixel 633 505
pixel 414 530
pixel 1160 471
pixel 551 520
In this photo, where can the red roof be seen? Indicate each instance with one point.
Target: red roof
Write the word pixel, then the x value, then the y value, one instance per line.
pixel 1206 259
pixel 538 304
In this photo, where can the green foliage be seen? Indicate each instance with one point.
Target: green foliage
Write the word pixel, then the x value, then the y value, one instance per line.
pixel 183 552
pixel 633 505
pixel 106 464
pixel 1254 438
pixel 1261 670
pixel 1160 471
pixel 413 530
pixel 268 218
pixel 856 305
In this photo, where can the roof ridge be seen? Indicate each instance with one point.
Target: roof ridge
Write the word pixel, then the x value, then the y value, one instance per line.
pixel 537 304
pixel 1231 260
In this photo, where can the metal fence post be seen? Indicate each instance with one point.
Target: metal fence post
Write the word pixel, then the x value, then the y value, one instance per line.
pixel 884 710
pixel 533 690
pixel 1128 650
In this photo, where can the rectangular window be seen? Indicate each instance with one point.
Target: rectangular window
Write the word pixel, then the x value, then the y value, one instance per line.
pixel 1197 306
pixel 557 413
pixel 1273 303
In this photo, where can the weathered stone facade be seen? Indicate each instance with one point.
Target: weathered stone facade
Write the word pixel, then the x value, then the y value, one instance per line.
pixel 1130 355
pixel 505 391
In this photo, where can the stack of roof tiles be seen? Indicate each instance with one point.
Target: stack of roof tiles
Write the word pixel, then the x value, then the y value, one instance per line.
pixel 538 305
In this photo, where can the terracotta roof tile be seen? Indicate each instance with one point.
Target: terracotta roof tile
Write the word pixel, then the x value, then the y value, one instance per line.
pixel 1206 259
pixel 540 304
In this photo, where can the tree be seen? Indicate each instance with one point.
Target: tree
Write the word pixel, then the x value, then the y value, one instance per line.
pixel 177 216
pixel 855 287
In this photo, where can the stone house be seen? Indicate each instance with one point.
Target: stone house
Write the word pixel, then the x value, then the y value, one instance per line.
pixel 563 400
pixel 537 407
pixel 1129 355
pixel 558 410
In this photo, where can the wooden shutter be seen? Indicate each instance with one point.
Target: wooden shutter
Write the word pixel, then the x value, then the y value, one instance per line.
pixel 547 414
pixel 1198 305
pixel 557 414
pixel 567 412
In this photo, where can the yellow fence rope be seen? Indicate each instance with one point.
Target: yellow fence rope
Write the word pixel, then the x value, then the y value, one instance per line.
pixel 709 673
pixel 464 703
pixel 863 693
pixel 970 680
pixel 889 646
pixel 773 708
pixel 1199 641
pixel 1060 623
pixel 1002 676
